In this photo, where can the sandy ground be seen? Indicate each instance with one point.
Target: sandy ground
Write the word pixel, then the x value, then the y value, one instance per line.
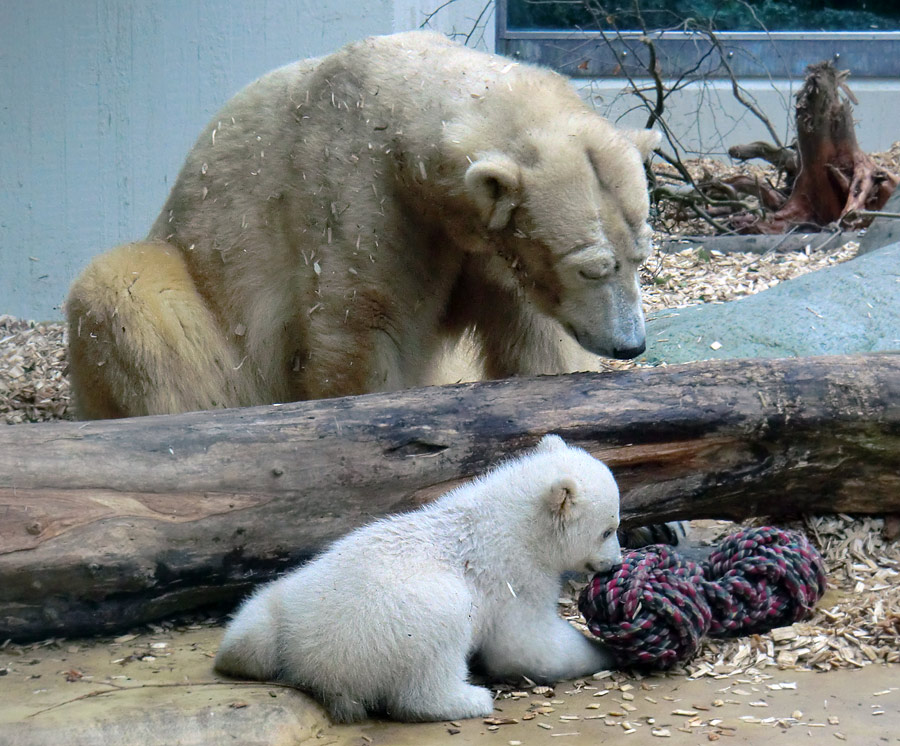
pixel 160 688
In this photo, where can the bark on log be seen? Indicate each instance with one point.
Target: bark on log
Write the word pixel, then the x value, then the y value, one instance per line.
pixel 106 524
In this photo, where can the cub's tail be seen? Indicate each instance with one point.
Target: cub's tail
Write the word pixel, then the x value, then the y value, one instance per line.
pixel 250 647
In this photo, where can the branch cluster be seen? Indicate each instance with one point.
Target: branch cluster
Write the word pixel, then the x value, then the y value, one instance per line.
pixel 823 167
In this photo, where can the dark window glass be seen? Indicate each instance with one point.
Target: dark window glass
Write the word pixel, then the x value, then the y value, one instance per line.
pixel 746 15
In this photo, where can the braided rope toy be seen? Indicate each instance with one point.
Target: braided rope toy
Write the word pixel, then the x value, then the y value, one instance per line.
pixel 654 609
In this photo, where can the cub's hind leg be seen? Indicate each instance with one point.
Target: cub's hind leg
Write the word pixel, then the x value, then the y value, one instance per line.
pixel 142 340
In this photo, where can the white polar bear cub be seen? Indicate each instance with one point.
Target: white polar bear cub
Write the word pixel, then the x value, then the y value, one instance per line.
pixel 388 618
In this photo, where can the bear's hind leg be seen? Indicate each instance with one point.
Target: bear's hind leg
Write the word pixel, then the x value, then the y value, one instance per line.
pixel 142 340
pixel 344 709
pixel 440 695
pixel 428 677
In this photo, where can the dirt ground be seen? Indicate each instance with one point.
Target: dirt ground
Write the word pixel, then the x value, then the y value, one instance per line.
pixel 159 688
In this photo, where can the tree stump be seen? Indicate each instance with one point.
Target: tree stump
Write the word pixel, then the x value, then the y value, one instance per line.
pixel 836 179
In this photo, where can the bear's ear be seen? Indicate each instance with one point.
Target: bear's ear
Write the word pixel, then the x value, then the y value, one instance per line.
pixel 645 141
pixel 494 182
pixel 562 496
pixel 550 443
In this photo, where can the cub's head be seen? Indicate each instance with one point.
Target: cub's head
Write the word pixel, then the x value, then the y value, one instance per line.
pixel 579 510
pixel 566 207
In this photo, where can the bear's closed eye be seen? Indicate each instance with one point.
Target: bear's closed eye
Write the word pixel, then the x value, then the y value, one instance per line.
pixel 600 273
pixel 592 276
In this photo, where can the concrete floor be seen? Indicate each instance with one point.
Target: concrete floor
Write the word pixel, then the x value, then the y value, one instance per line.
pixel 160 689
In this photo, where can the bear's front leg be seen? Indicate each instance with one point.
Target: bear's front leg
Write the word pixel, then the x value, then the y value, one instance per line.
pixel 347 362
pixel 515 338
pixel 542 647
pixel 365 340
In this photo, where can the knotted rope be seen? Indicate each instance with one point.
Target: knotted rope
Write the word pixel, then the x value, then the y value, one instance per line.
pixel 654 609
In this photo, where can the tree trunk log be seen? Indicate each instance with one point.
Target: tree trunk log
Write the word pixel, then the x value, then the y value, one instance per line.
pixel 109 523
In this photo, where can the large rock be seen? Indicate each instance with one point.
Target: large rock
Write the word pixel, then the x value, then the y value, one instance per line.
pixel 851 307
pixel 882 231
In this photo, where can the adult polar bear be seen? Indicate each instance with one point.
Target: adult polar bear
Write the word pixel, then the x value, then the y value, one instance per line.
pixel 340 219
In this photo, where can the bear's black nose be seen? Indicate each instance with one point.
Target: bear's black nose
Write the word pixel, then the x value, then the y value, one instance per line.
pixel 626 353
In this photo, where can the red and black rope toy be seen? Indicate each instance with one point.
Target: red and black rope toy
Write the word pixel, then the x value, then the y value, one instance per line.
pixel 654 608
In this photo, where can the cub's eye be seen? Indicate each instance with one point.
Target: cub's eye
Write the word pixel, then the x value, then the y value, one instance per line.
pixel 609 532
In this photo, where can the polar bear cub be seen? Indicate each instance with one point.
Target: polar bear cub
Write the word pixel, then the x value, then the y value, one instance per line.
pixel 389 617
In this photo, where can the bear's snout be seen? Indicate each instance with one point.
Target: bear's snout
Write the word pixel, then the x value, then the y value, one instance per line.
pixel 603 565
pixel 627 353
pixel 594 567
pixel 621 348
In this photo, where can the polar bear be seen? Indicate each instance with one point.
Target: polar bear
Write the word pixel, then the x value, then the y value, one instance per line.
pixel 387 619
pixel 340 219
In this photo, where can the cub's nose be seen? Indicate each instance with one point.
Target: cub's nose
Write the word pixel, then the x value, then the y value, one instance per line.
pixel 626 353
pixel 602 566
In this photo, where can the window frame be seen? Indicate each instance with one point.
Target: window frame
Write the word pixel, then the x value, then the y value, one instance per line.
pixel 598 54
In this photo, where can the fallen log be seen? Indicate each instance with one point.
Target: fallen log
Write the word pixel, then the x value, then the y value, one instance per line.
pixel 109 523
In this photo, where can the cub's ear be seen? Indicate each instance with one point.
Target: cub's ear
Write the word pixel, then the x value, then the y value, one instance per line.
pixel 645 141
pixel 494 182
pixel 550 443
pixel 561 496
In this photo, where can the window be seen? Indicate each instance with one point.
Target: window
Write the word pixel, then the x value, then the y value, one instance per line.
pixel 750 38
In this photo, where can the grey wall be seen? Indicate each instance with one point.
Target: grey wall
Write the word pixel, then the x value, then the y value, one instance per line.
pixel 100 101
pixel 708 118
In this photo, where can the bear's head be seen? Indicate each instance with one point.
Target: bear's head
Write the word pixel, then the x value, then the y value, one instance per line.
pixel 566 207
pixel 579 511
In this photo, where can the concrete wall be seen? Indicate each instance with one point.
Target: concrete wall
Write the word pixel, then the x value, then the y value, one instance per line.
pixel 100 100
pixel 708 118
